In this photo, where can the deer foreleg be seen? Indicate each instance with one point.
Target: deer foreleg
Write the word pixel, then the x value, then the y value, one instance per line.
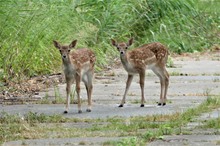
pixel 68 89
pixel 128 83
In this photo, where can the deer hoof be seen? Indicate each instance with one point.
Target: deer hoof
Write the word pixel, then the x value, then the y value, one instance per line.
pixel 121 105
pixel 65 112
pixel 161 104
pixel 88 110
pixel 142 105
pixel 80 111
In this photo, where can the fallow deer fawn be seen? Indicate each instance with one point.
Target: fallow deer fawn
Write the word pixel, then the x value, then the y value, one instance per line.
pixel 78 65
pixel 149 56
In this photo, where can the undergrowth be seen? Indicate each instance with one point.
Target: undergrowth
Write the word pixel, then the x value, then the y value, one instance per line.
pixel 28 28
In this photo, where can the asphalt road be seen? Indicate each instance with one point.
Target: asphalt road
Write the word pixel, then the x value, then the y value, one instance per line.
pixel 193 80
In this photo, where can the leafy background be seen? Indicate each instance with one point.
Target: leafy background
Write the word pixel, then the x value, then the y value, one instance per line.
pixel 28 28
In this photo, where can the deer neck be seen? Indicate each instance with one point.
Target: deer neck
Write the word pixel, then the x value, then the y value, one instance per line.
pixel 66 62
pixel 128 66
pixel 69 68
pixel 124 60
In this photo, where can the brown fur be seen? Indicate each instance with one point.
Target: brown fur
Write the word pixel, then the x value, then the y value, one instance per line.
pixel 78 65
pixel 80 56
pixel 149 56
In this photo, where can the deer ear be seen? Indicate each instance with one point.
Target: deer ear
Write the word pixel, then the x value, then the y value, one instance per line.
pixel 73 44
pixel 56 44
pixel 130 42
pixel 114 43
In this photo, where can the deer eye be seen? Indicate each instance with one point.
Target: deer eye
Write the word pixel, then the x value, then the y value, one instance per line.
pixel 68 50
pixel 60 51
pixel 126 48
pixel 118 48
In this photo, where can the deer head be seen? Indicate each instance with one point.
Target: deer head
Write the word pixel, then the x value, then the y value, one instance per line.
pixel 65 49
pixel 122 47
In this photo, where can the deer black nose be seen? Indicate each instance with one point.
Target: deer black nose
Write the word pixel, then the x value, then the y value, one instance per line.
pixel 64 56
pixel 122 53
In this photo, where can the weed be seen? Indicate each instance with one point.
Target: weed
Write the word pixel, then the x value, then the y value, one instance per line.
pixel 148 136
pixel 132 141
pixel 216 74
pixel 207 92
pixel 82 143
pixel 32 118
pixel 108 143
pixel 116 94
pixel 45 99
pixel 166 129
pixel 27 30
pixel 170 62
pixel 136 101
pixel 57 93
pixel 132 94
pixel 23 143
pixel 216 79
pixel 213 123
pixel 174 73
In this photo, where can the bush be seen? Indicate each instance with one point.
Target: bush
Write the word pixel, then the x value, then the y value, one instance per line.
pixel 29 26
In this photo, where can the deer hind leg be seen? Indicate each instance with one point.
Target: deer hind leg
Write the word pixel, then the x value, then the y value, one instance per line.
pixel 142 79
pixel 78 79
pixel 128 83
pixel 89 88
pixel 164 82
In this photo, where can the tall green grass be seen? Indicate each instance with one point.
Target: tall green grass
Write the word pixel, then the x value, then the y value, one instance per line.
pixel 29 26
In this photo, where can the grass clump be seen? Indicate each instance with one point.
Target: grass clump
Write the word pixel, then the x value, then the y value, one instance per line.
pixel 213 123
pixel 42 118
pixel 27 30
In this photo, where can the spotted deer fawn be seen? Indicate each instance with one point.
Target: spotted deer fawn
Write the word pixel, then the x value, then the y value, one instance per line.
pixel 78 65
pixel 149 56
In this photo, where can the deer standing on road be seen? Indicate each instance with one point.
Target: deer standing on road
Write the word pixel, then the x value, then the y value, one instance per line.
pixel 149 56
pixel 78 65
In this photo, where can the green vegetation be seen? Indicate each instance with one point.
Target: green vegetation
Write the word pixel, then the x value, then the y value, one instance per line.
pixel 138 130
pixel 29 26
pixel 213 123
